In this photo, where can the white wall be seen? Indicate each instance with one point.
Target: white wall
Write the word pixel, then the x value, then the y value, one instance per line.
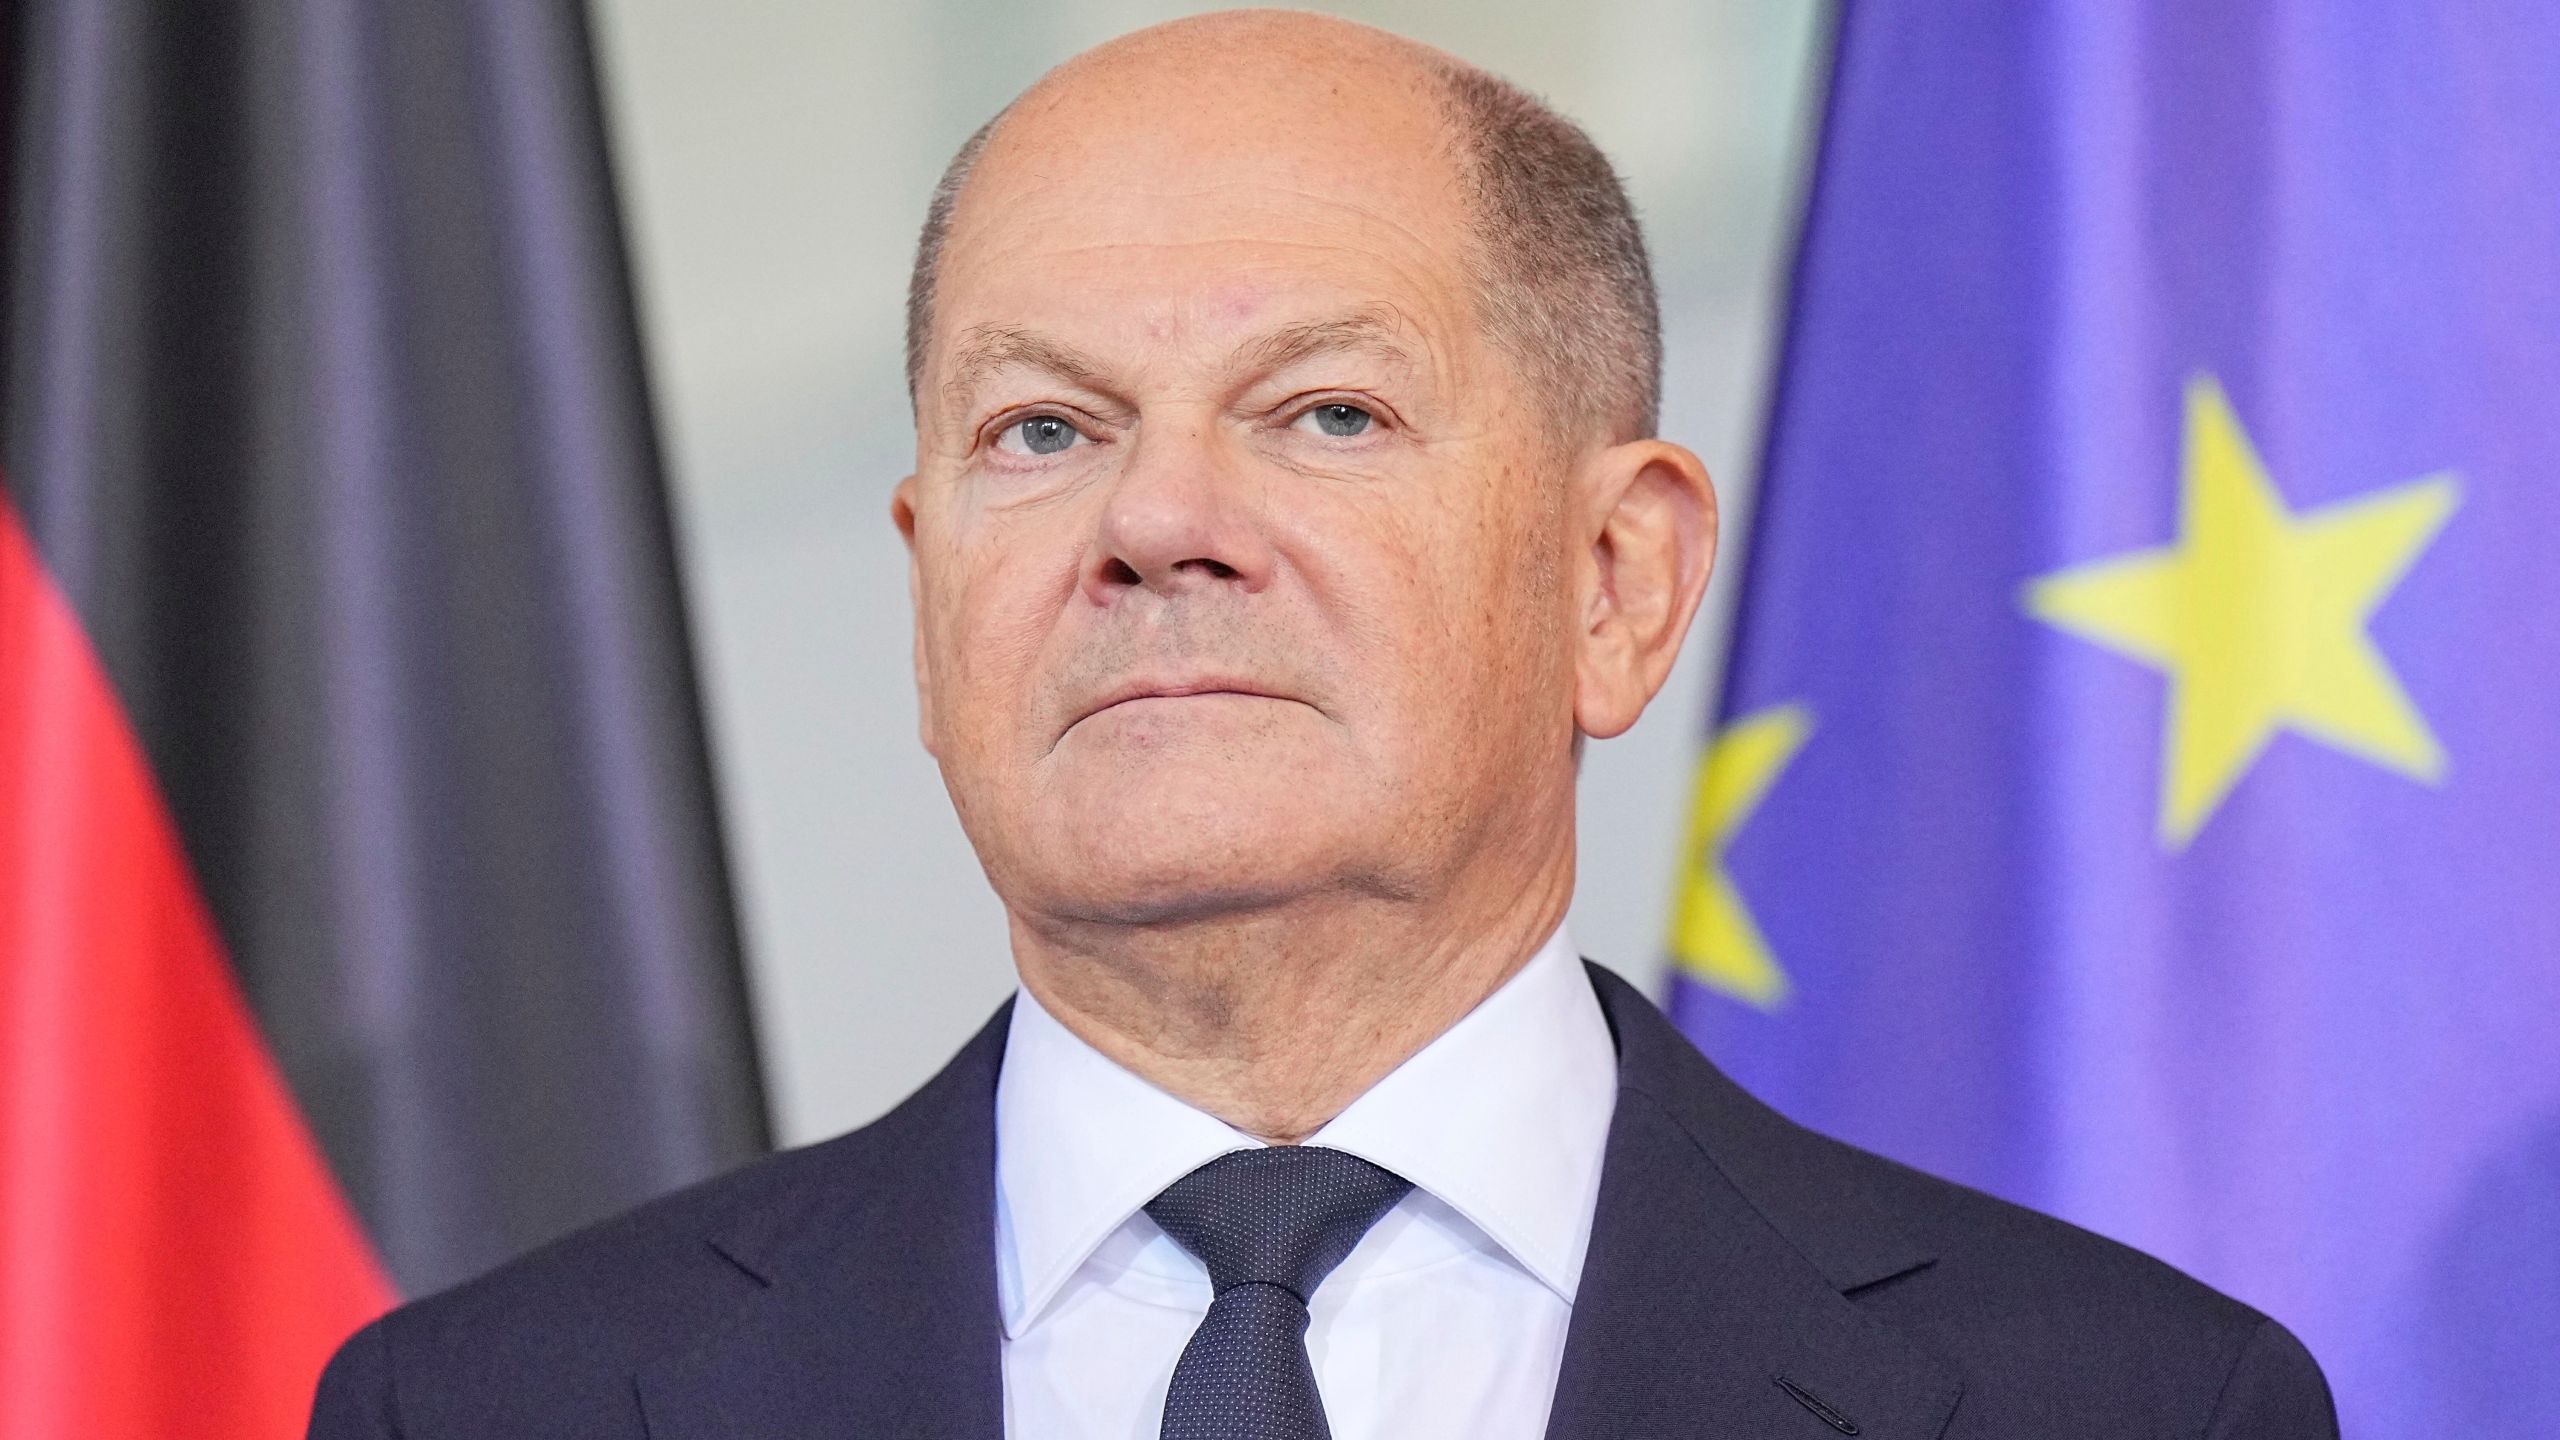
pixel 775 158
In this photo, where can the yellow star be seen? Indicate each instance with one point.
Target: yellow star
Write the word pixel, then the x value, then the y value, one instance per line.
pixel 2257 616
pixel 1712 934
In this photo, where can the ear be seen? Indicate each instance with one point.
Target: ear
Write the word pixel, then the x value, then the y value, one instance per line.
pixel 902 512
pixel 1650 516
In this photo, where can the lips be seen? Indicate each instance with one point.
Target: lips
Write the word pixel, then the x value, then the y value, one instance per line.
pixel 1178 689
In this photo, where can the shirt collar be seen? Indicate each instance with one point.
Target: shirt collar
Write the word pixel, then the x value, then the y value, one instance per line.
pixel 1503 1118
pixel 1080 1144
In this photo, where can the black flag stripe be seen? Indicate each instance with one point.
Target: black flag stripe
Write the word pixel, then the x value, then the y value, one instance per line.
pixel 324 404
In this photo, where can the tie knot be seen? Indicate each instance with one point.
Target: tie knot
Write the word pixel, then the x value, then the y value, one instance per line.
pixel 1281 1216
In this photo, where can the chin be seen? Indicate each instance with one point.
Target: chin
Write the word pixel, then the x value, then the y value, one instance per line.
pixel 1192 836
pixel 1174 895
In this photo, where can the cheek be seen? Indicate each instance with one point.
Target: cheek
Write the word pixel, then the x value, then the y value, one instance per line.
pixel 1485 575
pixel 1495 653
pixel 1432 606
pixel 990 622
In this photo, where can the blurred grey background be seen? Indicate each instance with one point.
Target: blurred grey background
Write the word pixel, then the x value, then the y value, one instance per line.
pixel 775 157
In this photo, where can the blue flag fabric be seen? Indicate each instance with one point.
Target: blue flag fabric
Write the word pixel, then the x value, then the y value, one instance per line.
pixel 2137 791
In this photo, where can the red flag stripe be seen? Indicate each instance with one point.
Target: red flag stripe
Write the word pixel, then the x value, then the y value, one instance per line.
pixel 175 1256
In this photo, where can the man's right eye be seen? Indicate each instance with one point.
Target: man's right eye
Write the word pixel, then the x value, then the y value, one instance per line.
pixel 1038 435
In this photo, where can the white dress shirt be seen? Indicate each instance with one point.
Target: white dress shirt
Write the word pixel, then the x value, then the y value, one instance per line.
pixel 1449 1317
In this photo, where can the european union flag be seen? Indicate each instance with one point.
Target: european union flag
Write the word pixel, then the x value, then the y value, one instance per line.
pixel 2138 786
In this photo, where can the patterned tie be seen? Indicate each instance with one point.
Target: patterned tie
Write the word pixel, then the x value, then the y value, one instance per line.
pixel 1270 1225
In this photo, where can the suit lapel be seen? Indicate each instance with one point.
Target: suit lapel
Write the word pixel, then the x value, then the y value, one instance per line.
pixel 1712 1299
pixel 877 1313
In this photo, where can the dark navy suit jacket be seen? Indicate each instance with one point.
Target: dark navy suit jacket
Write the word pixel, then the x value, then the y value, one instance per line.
pixel 1747 1280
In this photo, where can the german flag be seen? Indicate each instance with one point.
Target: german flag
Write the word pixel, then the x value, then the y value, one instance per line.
pixel 363 918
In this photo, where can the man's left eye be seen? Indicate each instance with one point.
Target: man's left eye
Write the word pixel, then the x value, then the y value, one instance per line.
pixel 1337 419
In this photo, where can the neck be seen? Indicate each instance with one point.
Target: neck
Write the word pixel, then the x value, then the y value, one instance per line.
pixel 1276 1020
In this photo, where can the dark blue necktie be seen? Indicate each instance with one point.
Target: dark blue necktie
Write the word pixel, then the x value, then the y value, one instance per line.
pixel 1270 1225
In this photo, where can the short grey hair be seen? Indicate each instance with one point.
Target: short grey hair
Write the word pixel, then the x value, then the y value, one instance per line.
pixel 937 229
pixel 1560 269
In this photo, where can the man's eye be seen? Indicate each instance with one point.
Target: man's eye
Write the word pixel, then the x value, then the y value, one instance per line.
pixel 1038 435
pixel 1338 420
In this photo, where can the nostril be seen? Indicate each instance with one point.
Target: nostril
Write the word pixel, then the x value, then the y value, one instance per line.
pixel 1118 572
pixel 1218 569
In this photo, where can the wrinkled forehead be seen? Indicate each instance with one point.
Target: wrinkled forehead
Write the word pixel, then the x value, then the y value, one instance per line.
pixel 1178 208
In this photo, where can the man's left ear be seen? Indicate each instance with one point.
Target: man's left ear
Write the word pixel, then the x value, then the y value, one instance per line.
pixel 1649 513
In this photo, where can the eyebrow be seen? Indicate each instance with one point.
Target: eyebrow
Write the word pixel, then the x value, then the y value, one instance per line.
pixel 986 349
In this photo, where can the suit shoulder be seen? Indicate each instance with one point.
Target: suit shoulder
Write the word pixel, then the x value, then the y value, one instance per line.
pixel 652 1251
pixel 2046 1323
pixel 1864 1220
pixel 709 1239
pixel 2032 1252
pixel 2045 1317
pixel 547 1343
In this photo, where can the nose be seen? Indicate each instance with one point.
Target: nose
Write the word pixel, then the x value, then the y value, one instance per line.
pixel 1176 519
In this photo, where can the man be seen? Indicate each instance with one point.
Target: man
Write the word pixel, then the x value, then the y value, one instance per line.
pixel 1286 512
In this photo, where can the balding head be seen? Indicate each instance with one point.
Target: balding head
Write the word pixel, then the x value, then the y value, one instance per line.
pixel 1554 249
pixel 1284 511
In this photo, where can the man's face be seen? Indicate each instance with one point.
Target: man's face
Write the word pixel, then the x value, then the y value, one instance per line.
pixel 1239 553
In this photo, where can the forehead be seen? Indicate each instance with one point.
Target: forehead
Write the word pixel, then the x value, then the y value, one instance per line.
pixel 1195 204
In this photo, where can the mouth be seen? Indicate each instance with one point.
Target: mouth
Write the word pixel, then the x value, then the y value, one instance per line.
pixel 1177 690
